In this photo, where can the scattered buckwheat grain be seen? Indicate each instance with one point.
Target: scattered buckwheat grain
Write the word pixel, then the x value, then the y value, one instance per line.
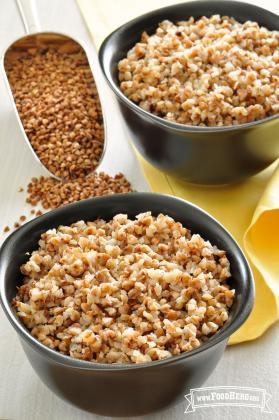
pixel 208 72
pixel 124 291
pixel 52 193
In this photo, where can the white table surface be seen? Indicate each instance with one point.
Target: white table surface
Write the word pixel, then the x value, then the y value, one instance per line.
pixel 22 395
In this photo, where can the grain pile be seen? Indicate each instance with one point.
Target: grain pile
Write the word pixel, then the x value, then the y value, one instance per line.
pixel 207 72
pixel 51 193
pixel 59 106
pixel 124 291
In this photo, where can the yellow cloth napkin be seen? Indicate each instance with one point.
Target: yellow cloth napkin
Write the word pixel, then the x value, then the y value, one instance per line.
pixel 250 210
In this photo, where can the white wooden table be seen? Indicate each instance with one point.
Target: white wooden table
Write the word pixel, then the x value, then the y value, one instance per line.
pixel 22 395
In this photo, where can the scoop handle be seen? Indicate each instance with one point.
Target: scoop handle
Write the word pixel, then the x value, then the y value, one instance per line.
pixel 28 13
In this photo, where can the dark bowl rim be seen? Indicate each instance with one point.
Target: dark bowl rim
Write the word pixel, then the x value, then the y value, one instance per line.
pixel 159 120
pixel 65 360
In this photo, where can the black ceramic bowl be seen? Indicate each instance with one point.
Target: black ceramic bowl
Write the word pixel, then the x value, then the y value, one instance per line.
pixel 204 155
pixel 124 390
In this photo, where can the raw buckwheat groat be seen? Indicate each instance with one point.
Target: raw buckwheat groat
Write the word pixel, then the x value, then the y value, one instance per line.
pixel 124 291
pixel 208 72
pixel 52 193
pixel 58 104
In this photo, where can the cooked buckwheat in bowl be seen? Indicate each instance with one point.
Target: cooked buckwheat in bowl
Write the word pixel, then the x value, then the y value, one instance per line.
pixel 199 82
pixel 116 294
pixel 125 290
pixel 205 72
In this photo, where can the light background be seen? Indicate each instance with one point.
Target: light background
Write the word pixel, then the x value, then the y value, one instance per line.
pixel 22 395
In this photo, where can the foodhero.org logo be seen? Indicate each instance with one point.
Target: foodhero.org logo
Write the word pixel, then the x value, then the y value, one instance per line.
pixel 227 396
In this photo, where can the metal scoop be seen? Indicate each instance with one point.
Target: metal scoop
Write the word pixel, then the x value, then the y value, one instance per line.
pixel 35 38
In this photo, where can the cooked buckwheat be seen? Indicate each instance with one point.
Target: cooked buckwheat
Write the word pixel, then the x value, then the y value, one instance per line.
pixel 208 72
pixel 124 291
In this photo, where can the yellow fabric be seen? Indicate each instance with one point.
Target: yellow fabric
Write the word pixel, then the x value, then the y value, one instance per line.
pixel 250 210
